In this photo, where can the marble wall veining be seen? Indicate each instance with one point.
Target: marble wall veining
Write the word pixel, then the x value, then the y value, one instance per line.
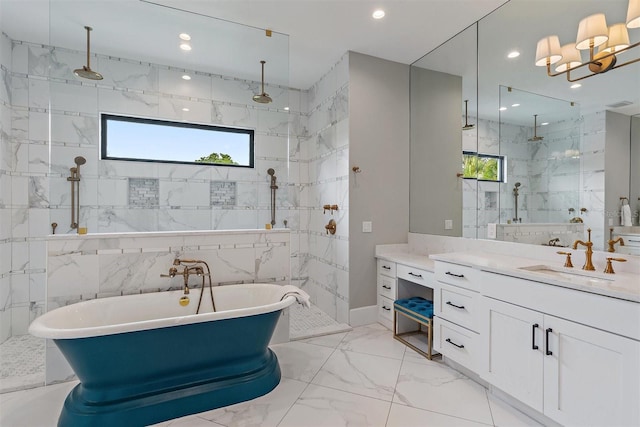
pixel 323 159
pixel 6 168
pixel 552 173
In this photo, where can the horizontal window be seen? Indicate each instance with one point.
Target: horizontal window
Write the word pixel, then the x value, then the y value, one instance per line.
pixel 483 167
pixel 151 140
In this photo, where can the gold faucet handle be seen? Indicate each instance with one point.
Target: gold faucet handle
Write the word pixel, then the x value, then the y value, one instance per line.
pixel 609 268
pixel 567 262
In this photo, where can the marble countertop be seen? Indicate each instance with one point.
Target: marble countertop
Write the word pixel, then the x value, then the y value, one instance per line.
pixel 622 285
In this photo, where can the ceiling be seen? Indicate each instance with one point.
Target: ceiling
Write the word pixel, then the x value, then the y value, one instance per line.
pixel 319 31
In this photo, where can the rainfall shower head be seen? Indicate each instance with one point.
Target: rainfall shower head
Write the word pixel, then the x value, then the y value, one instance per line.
pixel 535 130
pixel 467 125
pixel 86 72
pixel 264 97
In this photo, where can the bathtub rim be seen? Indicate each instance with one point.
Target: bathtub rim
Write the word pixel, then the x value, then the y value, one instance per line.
pixel 40 329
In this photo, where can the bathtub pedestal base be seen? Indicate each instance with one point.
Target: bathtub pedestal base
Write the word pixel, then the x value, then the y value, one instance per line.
pixel 182 400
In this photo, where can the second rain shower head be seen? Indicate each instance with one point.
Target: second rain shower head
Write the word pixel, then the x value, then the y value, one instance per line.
pixel 262 98
pixel 535 130
pixel 86 72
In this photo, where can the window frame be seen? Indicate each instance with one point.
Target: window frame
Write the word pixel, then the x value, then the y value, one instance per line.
pixel 501 165
pixel 105 117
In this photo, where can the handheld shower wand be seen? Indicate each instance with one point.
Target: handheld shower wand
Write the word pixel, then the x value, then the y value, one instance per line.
pixel 516 194
pixel 74 179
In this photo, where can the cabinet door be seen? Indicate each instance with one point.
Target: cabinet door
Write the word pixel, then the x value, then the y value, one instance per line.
pixel 513 357
pixel 592 377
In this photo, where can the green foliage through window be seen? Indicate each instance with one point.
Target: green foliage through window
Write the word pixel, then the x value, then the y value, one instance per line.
pixel 482 166
pixel 217 158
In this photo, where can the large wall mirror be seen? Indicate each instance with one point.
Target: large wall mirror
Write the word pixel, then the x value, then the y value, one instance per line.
pixel 573 150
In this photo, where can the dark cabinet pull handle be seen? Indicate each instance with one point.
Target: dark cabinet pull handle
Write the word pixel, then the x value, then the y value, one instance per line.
pixel 448 273
pixel 454 344
pixel 461 307
pixel 386 287
pixel 415 275
pixel 546 341
pixel 386 308
pixel 386 267
pixel 533 336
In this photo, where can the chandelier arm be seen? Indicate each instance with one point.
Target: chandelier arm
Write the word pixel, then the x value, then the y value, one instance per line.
pixel 597 61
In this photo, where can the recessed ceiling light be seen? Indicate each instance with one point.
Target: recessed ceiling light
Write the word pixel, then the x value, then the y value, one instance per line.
pixel 515 105
pixel 513 54
pixel 378 14
pixel 575 86
pixel 544 124
pixel 185 109
pixel 286 108
pixel 503 108
pixel 185 37
pixel 185 46
pixel 186 77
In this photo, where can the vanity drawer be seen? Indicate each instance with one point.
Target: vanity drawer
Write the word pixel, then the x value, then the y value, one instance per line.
pixel 385 308
pixel 387 286
pixel 458 275
pixel 456 343
pixel 387 268
pixel 457 305
pixel 415 275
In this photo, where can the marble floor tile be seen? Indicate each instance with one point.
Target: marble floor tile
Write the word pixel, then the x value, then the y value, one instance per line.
pixel 406 416
pixel 321 406
pixel 34 407
pixel 301 361
pixel 265 411
pixel 364 374
pixel 188 421
pixel 332 340
pixel 505 415
pixel 375 340
pixel 436 387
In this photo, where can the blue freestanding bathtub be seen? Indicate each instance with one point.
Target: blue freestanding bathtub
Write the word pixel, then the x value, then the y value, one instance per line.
pixel 142 359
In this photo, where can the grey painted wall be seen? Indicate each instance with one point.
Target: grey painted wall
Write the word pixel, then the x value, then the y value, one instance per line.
pixel 616 165
pixel 379 145
pixel 436 152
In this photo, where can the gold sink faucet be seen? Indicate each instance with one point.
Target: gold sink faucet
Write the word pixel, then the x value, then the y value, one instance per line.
pixel 588 265
pixel 612 242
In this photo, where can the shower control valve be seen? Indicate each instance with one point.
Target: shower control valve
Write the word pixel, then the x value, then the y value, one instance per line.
pixel 331 227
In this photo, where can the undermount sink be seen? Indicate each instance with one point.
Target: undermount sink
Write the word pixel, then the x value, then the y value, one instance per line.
pixel 572 275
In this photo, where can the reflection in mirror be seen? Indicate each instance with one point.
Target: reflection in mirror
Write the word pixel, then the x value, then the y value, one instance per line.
pixel 540 143
pixel 606 103
pixel 443 108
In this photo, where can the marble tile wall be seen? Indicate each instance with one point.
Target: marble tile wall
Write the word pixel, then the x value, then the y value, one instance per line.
pixel 592 185
pixel 549 172
pixel 104 265
pixel 38 85
pixel 324 171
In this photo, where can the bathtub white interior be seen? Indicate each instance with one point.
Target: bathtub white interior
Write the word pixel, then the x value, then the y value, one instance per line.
pixel 155 310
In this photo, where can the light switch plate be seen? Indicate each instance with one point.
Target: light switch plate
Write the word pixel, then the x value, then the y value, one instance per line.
pixel 367 226
pixel 448 224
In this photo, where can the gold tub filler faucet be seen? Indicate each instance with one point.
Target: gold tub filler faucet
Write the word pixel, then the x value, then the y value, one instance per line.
pixel 191 267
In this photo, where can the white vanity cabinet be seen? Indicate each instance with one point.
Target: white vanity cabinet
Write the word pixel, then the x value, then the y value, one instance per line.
pixel 387 290
pixel 456 312
pixel 571 372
